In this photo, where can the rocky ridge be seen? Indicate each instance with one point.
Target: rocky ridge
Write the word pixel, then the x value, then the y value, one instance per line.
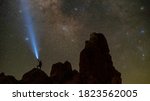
pixel 95 67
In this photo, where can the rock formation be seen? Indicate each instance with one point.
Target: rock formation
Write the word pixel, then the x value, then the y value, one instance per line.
pixel 35 76
pixel 7 79
pixel 62 73
pixel 95 67
pixel 95 64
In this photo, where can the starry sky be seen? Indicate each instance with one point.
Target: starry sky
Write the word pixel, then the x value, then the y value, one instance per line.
pixel 62 26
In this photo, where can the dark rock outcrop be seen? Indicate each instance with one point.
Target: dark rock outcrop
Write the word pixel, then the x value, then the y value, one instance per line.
pixel 75 78
pixel 95 64
pixel 7 79
pixel 62 73
pixel 35 76
pixel 95 67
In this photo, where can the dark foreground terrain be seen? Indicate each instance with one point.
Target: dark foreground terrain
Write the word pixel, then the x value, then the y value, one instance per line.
pixel 95 67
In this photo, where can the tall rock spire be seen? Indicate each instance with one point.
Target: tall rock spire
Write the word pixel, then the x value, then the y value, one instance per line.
pixel 96 65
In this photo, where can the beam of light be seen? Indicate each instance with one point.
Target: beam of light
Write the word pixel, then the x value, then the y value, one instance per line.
pixel 29 25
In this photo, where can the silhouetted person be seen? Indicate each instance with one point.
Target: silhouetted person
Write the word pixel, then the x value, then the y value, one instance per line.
pixel 40 64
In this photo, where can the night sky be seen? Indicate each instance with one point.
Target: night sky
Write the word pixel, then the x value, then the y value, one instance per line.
pixel 62 26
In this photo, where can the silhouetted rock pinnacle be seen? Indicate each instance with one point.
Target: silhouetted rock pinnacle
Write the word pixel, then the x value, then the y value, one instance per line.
pixel 95 62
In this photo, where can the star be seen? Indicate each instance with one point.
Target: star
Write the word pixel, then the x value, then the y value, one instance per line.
pixel 143 55
pixel 142 31
pixel 26 39
pixel 127 33
pixel 73 40
pixel 142 8
pixel 76 9
pixel 20 11
pixel 65 28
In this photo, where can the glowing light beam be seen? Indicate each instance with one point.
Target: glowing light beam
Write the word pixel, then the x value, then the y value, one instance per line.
pixel 29 25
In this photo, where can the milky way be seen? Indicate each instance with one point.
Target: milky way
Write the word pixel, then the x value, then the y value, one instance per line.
pixel 62 26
